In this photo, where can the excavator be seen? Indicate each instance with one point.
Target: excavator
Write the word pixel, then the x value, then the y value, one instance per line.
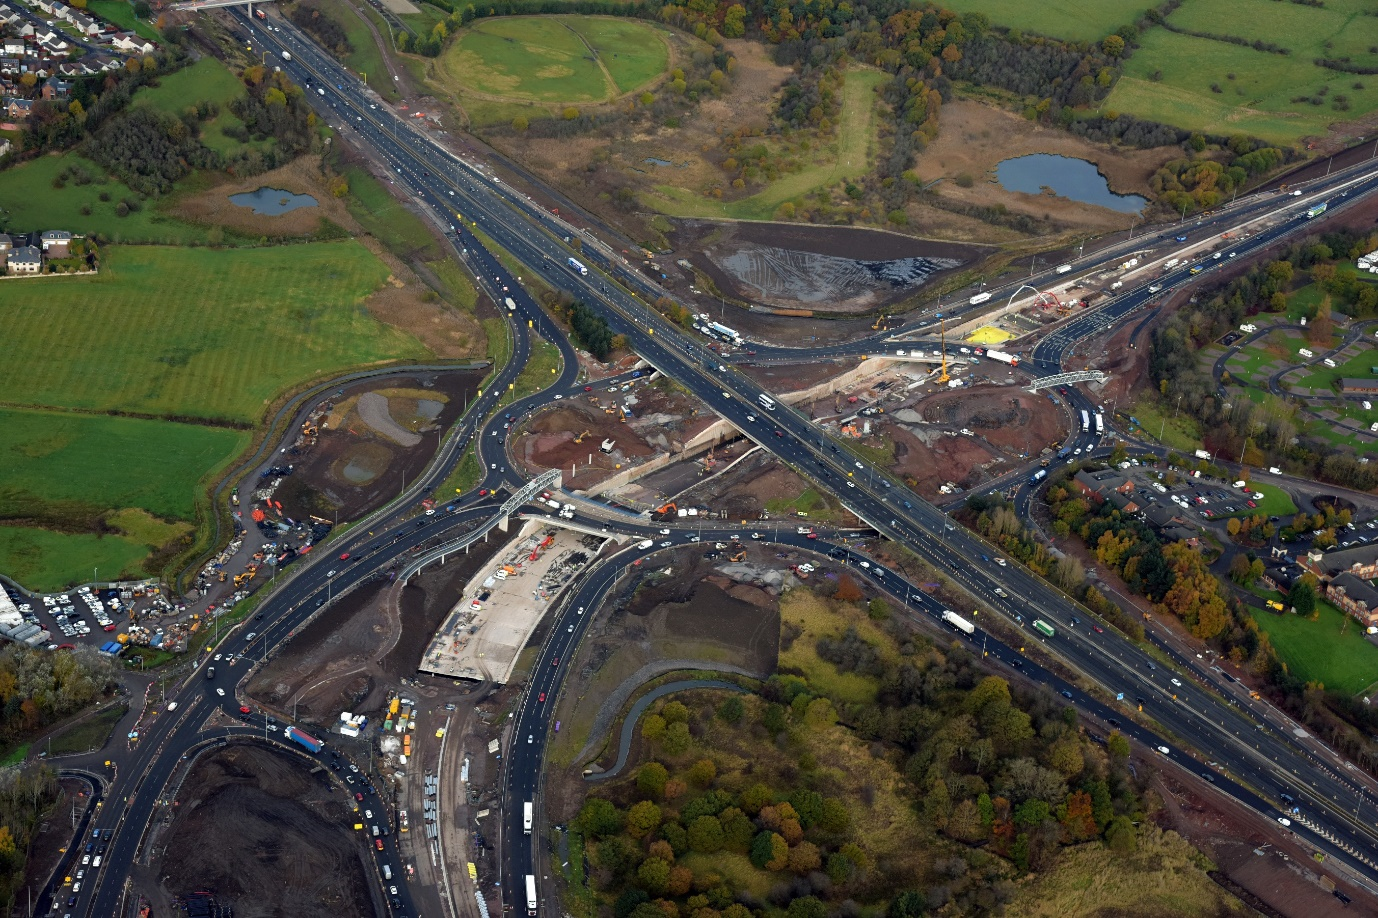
pixel 668 508
pixel 739 556
pixel 580 438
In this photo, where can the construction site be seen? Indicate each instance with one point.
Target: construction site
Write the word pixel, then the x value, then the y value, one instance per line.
pixel 501 605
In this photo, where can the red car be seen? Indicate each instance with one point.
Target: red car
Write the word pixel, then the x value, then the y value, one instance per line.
pixel 1098 629
pixel 344 557
pixel 482 492
pixel 588 388
pixel 244 709
pixel 555 662
pixel 813 535
pixel 541 697
pixel 378 843
pixel 358 796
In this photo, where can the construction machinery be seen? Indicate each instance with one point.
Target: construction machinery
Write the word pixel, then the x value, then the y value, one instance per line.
pixel 739 556
pixel 668 508
pixel 879 323
pixel 943 378
pixel 580 438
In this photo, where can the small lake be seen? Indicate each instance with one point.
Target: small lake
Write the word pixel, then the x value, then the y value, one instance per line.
pixel 272 202
pixel 1067 177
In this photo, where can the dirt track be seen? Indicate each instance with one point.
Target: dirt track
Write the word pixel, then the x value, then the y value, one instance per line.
pixel 257 829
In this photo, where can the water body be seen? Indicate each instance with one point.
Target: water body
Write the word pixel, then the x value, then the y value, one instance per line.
pixel 1070 178
pixel 272 202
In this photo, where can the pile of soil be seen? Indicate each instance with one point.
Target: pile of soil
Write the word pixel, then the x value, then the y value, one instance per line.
pixel 265 835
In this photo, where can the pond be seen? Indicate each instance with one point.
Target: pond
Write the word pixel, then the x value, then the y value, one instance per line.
pixel 272 202
pixel 1067 177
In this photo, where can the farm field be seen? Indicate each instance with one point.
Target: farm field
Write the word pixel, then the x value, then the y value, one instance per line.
pixel 1258 98
pixel 851 156
pixel 554 59
pixel 60 462
pixel 196 333
pixel 62 206
pixel 1317 651
pixel 1090 21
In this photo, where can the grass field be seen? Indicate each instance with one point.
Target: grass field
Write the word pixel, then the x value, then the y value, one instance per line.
pixel 62 206
pixel 366 58
pixel 555 59
pixel 89 734
pixel 206 80
pixel 387 219
pixel 850 157
pixel 1179 432
pixel 195 333
pixel 121 13
pixel 1257 99
pixel 1089 21
pixel 107 462
pixel 1317 651
pixel 50 561
pixel 815 618
pixel 1276 502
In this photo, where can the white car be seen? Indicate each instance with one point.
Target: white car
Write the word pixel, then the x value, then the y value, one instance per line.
pixel 1284 820
pixel 1164 750
pixel 220 692
pixel 1176 683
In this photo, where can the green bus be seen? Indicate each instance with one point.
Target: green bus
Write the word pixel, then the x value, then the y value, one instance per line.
pixel 1043 628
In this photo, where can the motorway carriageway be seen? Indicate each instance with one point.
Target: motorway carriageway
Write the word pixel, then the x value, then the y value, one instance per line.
pixel 665 348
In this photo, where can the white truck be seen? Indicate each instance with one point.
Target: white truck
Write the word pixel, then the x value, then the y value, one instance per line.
pixel 511 306
pixel 1202 454
pixel 979 298
pixel 1003 357
pixel 526 817
pixel 956 621
pixel 1063 269
pixel 577 266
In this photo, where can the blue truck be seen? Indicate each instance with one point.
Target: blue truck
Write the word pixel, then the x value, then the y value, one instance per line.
pixel 312 744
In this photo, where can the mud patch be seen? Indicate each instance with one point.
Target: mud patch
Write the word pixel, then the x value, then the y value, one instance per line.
pixel 788 277
pixel 266 836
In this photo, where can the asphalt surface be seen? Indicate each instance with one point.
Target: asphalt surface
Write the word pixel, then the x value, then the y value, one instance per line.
pixel 1255 764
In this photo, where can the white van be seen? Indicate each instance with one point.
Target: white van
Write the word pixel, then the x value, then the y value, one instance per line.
pixel 387 872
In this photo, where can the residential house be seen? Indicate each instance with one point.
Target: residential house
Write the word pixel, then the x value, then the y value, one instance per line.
pixel 1362 562
pixel 1099 484
pixel 18 109
pixel 56 243
pixel 6 243
pixel 12 47
pixel 24 259
pixel 84 25
pixel 128 41
pixel 1355 596
pixel 1178 533
pixel 55 89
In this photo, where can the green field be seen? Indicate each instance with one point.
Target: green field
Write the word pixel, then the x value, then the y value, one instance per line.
pixel 207 80
pixel 104 463
pixel 1258 100
pixel 555 59
pixel 195 333
pixel 121 13
pixel 62 206
pixel 1175 431
pixel 88 734
pixel 1276 502
pixel 50 561
pixel 387 219
pixel 1088 21
pixel 1317 651
pixel 852 156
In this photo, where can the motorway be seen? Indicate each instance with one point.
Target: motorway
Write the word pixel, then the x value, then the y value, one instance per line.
pixel 1261 761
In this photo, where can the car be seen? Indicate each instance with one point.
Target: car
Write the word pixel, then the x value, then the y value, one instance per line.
pixel 1001 593
pixel 330 573
pixel 555 662
pixel 570 629
pixel 85 859
pixel 378 843
pixel 358 796
pixel 851 484
pixel 220 692
pixel 1065 694
pixel 541 697
pixel 1176 682
pixel 344 556
pixel 1098 629
pixel 664 532
pixel 751 418
pixel 588 388
pixel 245 709
pixel 779 433
pixel 1163 750
pixel 530 738
pixel 218 656
pixel 1284 821
pixel 558 397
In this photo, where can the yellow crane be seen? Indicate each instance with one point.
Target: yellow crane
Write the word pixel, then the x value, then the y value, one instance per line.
pixel 942 331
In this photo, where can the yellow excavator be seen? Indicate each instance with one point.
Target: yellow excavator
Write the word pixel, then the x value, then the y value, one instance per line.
pixel 580 438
